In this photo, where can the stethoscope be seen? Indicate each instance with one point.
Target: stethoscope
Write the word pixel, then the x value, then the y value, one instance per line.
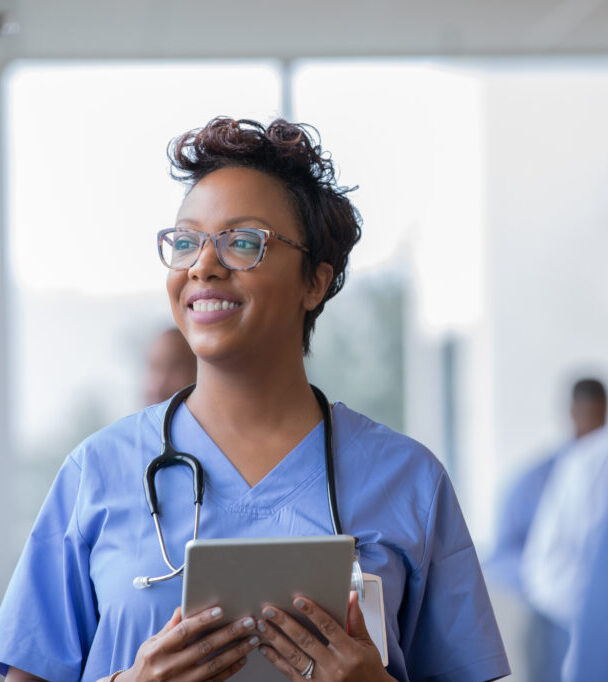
pixel 170 457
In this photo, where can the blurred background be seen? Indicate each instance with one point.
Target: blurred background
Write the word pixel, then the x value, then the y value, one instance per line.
pixel 476 134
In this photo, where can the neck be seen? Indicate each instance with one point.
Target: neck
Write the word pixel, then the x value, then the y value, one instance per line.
pixel 255 410
pixel 253 396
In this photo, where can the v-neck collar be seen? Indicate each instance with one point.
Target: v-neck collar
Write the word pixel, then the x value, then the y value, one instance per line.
pixel 224 483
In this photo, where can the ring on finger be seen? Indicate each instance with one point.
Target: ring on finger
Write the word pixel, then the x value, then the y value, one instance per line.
pixel 308 671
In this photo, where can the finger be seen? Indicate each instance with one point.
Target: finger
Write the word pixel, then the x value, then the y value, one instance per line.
pixel 208 645
pixel 232 670
pixel 280 663
pixel 217 666
pixel 333 632
pixel 290 639
pixel 169 625
pixel 172 622
pixel 355 625
pixel 177 637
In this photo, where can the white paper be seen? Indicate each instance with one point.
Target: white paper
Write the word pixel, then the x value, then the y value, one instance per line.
pixel 372 607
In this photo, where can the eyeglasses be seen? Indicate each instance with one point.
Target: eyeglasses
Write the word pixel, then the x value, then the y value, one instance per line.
pixel 237 248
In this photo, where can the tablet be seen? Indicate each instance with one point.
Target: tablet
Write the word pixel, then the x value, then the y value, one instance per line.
pixel 242 574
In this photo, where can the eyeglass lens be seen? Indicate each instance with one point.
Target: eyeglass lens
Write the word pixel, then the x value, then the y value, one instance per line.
pixel 237 249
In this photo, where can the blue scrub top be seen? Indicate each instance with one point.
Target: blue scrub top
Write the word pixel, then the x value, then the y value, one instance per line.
pixel 71 612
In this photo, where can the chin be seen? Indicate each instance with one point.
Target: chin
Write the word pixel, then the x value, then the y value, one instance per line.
pixel 211 350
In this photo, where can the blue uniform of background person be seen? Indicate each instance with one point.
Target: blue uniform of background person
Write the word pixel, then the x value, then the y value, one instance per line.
pixel 515 519
pixel 72 613
pixel 587 659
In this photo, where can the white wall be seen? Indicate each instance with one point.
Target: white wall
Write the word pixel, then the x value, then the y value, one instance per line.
pixel 543 318
pixel 546 214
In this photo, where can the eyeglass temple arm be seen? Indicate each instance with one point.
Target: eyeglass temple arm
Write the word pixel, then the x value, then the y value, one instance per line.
pixel 291 242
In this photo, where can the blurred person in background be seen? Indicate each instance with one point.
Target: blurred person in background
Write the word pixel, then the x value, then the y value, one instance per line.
pixel 587 658
pixel 562 538
pixel 588 408
pixel 170 366
pixel 517 511
pixel 542 641
pixel 261 243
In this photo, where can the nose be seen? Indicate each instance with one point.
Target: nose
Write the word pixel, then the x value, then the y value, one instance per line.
pixel 207 265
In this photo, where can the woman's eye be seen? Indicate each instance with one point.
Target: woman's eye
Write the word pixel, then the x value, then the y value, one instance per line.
pixel 245 243
pixel 183 244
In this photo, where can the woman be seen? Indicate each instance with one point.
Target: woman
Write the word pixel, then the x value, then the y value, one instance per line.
pixel 246 301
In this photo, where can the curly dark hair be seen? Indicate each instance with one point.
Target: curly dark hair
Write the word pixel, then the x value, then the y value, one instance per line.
pixel 290 152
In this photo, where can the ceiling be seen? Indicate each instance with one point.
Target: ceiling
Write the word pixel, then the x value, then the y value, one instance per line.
pixel 286 29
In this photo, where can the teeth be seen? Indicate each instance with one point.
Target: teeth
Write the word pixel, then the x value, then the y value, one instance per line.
pixel 202 306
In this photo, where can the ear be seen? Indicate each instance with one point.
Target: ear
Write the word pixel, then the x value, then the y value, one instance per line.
pixel 318 285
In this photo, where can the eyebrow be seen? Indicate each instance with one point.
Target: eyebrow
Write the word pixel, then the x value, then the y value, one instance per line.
pixel 232 221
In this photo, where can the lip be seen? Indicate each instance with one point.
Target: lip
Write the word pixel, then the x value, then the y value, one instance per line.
pixel 202 317
pixel 212 293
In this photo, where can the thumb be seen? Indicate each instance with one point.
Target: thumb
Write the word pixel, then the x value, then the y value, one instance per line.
pixel 173 621
pixel 356 623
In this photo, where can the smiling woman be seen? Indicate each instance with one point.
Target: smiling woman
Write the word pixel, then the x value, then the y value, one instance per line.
pixel 260 244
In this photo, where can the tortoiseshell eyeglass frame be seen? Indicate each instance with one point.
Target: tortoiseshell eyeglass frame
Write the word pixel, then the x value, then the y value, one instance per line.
pixel 214 236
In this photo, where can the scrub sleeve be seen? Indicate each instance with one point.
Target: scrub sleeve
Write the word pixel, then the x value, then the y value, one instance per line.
pixel 46 632
pixel 446 619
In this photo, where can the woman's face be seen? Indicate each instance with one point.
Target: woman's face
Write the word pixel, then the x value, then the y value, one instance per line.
pixel 265 307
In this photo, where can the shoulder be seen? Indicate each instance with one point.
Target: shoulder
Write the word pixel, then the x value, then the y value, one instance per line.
pixel 126 437
pixel 364 440
pixel 392 482
pixel 588 452
pixel 99 476
pixel 582 469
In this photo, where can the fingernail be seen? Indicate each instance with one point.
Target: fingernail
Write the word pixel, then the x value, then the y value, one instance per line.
pixel 254 640
pixel 216 612
pixel 248 623
pixel 300 603
pixel 270 613
pixel 261 626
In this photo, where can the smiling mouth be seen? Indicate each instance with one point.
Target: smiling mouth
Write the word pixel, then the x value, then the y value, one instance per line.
pixel 213 304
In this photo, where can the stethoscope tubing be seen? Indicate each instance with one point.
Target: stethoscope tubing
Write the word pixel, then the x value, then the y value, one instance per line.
pixel 328 428
pixel 170 457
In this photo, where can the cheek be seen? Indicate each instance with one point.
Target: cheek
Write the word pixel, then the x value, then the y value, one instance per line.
pixel 285 300
pixel 173 286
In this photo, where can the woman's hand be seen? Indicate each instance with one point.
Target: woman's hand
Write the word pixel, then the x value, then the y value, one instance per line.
pixel 350 656
pixel 173 655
